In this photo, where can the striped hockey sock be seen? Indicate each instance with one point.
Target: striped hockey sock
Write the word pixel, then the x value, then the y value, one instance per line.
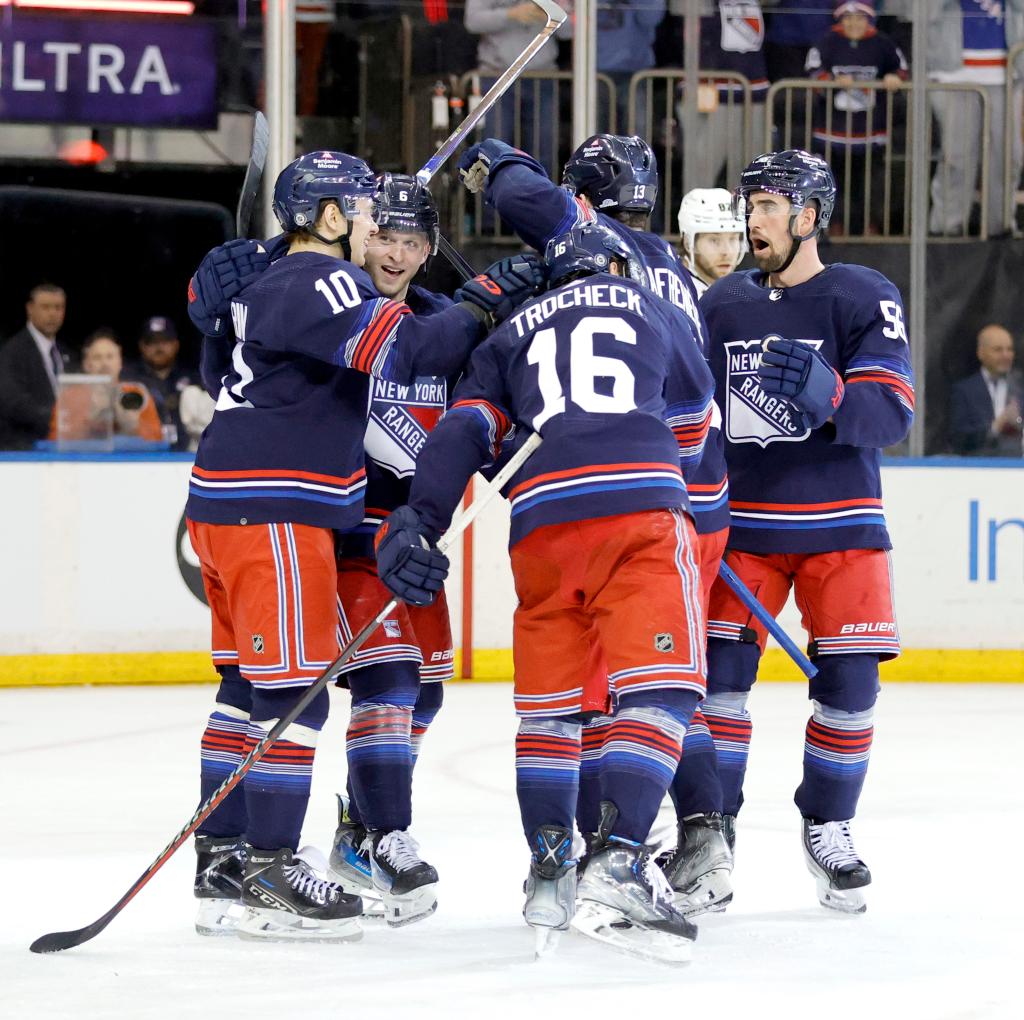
pixel 277 786
pixel 696 788
pixel 379 746
pixel 588 804
pixel 221 752
pixel 836 751
pixel 729 722
pixel 547 772
pixel 638 761
pixel 428 704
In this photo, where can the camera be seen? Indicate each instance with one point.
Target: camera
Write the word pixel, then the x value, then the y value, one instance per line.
pixel 130 401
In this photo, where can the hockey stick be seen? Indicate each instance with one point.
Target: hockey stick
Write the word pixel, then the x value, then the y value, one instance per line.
pixel 555 18
pixel 747 597
pixel 253 175
pixel 454 257
pixel 60 940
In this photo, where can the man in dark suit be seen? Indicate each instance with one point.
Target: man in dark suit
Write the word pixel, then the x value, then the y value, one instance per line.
pixel 985 408
pixel 30 363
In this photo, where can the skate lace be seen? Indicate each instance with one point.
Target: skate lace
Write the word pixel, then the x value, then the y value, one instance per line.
pixel 655 879
pixel 301 877
pixel 833 844
pixel 400 850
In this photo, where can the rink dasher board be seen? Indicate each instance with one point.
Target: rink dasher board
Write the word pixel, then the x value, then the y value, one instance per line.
pixel 98 574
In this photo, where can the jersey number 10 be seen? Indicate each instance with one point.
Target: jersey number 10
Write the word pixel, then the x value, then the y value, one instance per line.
pixel 585 368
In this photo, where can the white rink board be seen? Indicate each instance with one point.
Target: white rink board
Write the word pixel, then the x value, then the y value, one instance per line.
pixel 90 558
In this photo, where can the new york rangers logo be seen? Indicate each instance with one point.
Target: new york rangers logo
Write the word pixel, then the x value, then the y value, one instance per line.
pixel 751 415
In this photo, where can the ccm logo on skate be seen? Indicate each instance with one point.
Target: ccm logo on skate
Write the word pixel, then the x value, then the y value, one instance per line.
pixel 868 628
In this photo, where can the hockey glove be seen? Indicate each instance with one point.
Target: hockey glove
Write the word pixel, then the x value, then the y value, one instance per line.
pixel 223 274
pixel 409 566
pixel 504 285
pixel 488 156
pixel 800 374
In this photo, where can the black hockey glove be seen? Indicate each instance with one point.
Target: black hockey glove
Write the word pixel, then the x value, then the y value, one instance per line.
pixel 407 564
pixel 505 285
pixel 223 274
pixel 800 374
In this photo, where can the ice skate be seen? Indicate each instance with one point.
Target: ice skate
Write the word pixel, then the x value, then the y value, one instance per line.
pixel 350 862
pixel 406 883
pixel 550 887
pixel 729 831
pixel 700 868
pixel 220 864
pixel 285 899
pixel 831 858
pixel 624 901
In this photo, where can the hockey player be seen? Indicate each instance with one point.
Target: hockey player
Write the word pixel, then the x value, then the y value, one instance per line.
pixel 604 554
pixel 713 236
pixel 813 374
pixel 613 179
pixel 280 467
pixel 397 677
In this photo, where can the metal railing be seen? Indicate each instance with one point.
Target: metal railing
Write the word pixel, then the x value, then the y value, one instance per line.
pixel 863 132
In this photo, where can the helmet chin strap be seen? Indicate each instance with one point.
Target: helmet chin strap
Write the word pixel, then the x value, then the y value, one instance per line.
pixel 798 239
pixel 343 240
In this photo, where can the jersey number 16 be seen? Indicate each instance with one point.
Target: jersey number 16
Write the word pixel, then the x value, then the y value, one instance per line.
pixel 585 368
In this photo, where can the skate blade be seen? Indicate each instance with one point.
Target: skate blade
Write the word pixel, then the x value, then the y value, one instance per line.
pixel 609 926
pixel 843 901
pixel 711 893
pixel 217 918
pixel 265 925
pixel 546 942
pixel 373 905
pixel 410 907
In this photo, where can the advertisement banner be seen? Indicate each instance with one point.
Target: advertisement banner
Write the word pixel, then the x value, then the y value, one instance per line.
pixel 141 72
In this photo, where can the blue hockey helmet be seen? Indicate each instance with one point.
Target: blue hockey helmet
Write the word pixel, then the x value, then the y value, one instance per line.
pixel 404 204
pixel 796 175
pixel 317 177
pixel 586 249
pixel 614 172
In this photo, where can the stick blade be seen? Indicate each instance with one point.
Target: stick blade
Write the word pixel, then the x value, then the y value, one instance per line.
pixel 253 174
pixel 58 941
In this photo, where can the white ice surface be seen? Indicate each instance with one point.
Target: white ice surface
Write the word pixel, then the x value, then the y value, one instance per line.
pixel 96 781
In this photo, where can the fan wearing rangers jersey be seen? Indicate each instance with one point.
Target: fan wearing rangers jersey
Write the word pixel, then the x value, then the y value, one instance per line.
pixel 604 554
pixel 613 180
pixel 278 471
pixel 812 371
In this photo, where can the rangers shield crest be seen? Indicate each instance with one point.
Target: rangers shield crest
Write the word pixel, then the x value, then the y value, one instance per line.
pixel 751 415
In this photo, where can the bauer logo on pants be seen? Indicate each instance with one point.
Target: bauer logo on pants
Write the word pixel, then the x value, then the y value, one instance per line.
pixel 751 415
pixel 664 643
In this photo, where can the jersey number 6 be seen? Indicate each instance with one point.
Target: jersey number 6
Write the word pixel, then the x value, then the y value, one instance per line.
pixel 585 368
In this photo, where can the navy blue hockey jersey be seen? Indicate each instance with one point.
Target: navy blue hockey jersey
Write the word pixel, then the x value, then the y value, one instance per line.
pixel 539 210
pixel 401 417
pixel 621 405
pixel 794 490
pixel 286 440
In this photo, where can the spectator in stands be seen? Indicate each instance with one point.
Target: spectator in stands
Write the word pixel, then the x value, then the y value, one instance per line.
pixel 850 122
pixel 313 21
pixel 791 30
pixel 731 39
pixel 985 408
pixel 31 362
pixel 625 44
pixel 968 41
pixel 133 408
pixel 505 27
pixel 158 370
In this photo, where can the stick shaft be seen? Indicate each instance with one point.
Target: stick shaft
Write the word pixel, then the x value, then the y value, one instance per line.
pixel 555 16
pixel 746 596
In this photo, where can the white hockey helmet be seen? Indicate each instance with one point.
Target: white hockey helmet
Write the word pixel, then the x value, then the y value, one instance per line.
pixel 709 211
